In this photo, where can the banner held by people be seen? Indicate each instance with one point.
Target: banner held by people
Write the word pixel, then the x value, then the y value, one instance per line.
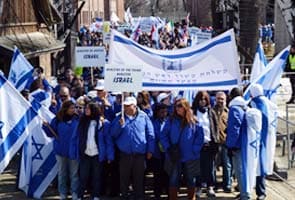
pixel 212 65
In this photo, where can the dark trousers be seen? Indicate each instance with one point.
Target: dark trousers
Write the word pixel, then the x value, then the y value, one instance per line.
pixel 132 167
pixel 207 165
pixel 161 178
pixel 260 186
pixel 90 170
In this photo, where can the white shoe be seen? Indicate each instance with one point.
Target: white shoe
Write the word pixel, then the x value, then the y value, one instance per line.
pixel 211 192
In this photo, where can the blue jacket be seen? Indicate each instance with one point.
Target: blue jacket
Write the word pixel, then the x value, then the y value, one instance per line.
pixel 158 127
pixel 236 125
pixel 135 136
pixel 100 137
pixel 190 139
pixel 66 144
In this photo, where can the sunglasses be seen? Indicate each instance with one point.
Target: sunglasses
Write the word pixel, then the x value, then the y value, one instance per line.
pixel 79 107
pixel 179 105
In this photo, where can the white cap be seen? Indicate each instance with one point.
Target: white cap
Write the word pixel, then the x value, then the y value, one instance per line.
pixel 129 101
pixel 162 96
pixel 92 94
pixel 256 90
pixel 99 85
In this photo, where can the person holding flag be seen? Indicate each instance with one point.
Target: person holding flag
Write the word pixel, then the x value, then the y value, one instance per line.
pixel 65 125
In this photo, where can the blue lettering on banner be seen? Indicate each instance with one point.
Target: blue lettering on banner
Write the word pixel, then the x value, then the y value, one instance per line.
pixel 93 56
pixel 122 79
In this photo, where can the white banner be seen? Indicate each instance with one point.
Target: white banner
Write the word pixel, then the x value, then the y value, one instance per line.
pixel 123 78
pixel 90 56
pixel 212 65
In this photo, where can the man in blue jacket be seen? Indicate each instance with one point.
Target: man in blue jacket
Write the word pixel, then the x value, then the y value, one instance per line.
pixel 236 127
pixel 133 133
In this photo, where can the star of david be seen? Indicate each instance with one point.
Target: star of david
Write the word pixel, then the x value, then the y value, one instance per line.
pixel 255 144
pixel 38 146
pixel 1 126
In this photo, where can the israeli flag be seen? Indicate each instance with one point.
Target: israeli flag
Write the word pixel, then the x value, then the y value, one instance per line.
pixel 20 70
pixel 271 75
pixel 38 163
pixel 250 149
pixel 259 63
pixel 41 96
pixel 269 112
pixel 17 120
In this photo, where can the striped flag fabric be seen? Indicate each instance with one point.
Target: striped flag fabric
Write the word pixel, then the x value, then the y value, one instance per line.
pixel 259 63
pixel 17 119
pixel 270 76
pixel 20 70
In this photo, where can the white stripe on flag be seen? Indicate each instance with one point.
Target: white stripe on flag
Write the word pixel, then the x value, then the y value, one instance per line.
pixel 20 70
pixel 17 118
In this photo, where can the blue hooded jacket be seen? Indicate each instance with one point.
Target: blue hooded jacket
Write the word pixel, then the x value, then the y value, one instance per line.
pixel 136 136
pixel 190 138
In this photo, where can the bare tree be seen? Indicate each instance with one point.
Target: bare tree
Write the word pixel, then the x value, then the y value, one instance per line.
pixel 135 4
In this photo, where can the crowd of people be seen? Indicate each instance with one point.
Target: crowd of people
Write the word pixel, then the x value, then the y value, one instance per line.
pixel 103 149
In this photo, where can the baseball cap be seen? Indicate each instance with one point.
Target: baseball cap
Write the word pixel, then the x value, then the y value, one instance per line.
pixel 99 85
pixel 129 101
pixel 162 96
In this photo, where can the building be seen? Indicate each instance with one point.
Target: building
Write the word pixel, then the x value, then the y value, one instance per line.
pixel 26 24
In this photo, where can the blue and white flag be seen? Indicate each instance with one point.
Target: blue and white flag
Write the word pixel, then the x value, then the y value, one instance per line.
pixel 38 163
pixel 21 70
pixel 17 120
pixel 259 63
pixel 269 112
pixel 271 75
pixel 250 149
pixel 41 96
pixel 211 65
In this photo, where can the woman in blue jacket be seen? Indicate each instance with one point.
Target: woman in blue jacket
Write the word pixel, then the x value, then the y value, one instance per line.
pixel 182 130
pixel 65 126
pixel 92 130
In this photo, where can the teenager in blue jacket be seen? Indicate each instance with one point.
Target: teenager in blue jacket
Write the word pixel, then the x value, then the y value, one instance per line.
pixel 133 133
pixel 64 129
pixel 182 129
pixel 92 130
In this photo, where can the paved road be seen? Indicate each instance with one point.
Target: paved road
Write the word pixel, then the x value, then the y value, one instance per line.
pixel 275 190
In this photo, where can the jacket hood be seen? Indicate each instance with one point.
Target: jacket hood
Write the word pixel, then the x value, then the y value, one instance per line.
pixel 256 90
pixel 238 101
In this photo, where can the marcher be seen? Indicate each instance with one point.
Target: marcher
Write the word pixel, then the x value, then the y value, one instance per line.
pixel 268 132
pixel 133 134
pixel 208 121
pixel 222 116
pixel 182 139
pixel 236 126
pixel 65 126
pixel 92 129
pixel 160 181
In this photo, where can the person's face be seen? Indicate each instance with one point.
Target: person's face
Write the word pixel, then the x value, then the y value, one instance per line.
pixel 220 100
pixel 203 102
pixel 163 113
pixel 139 99
pixel 101 94
pixel 71 110
pixel 179 109
pixel 80 109
pixel 130 109
pixel 87 111
pixel 63 96
pixel 166 101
